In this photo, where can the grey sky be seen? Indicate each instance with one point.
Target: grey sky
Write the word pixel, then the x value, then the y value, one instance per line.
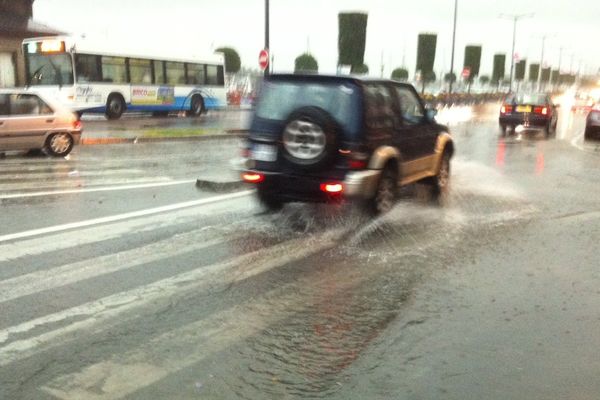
pixel 296 25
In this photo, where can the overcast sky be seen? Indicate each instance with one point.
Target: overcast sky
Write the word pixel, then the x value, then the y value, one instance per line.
pixel 298 25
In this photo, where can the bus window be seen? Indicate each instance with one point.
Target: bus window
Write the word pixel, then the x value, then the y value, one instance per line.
pixel 175 73
pixel 159 72
pixel 212 75
pixel 140 71
pixel 220 75
pixel 196 74
pixel 86 68
pixel 114 70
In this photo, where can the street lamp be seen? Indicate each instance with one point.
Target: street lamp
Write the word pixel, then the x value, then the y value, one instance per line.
pixel 453 47
pixel 539 82
pixel 515 18
pixel 267 34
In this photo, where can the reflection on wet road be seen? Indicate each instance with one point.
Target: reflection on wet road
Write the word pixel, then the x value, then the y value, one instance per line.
pixel 219 300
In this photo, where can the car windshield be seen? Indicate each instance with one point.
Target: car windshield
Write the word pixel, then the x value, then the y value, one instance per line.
pixel 531 99
pixel 49 69
pixel 279 99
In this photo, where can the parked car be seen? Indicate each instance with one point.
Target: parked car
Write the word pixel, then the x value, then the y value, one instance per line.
pixel 29 121
pixel 523 112
pixel 324 138
pixel 592 124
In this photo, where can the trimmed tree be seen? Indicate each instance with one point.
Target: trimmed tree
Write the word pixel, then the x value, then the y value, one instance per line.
pixel 484 80
pixel 554 76
pixel 352 38
pixel 534 72
pixel 306 63
pixel 520 70
pixel 450 77
pixel 546 74
pixel 361 69
pixel 499 68
pixel 400 74
pixel 232 59
pixel 426 48
pixel 473 62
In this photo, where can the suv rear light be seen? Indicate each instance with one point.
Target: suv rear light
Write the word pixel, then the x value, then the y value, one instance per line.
pixel 252 177
pixel 355 159
pixel 506 109
pixel 332 188
pixel 357 164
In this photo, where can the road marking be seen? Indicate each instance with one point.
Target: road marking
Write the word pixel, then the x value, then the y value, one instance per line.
pixel 48 279
pixel 99 189
pixel 105 310
pixel 120 217
pixel 77 184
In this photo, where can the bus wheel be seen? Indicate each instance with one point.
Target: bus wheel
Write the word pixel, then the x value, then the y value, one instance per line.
pixel 115 106
pixel 197 106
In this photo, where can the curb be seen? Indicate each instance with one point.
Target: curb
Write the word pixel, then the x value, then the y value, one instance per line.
pixel 220 187
pixel 233 134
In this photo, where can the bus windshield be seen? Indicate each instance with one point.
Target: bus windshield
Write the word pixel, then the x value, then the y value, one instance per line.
pixel 49 69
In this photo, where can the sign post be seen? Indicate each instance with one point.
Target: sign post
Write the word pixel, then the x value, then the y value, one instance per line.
pixel 263 59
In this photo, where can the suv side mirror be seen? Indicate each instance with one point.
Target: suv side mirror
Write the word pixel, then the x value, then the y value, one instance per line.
pixel 430 114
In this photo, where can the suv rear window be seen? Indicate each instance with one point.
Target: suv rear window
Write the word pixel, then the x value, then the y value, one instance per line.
pixel 279 99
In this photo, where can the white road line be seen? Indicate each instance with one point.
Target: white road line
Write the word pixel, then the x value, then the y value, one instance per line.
pixel 78 183
pixel 71 174
pixel 138 226
pixel 96 189
pixel 104 311
pixel 120 217
pixel 69 274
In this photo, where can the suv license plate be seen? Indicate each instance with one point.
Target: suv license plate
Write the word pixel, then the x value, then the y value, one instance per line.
pixel 264 152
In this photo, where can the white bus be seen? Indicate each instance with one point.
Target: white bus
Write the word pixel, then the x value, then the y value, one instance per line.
pixel 91 79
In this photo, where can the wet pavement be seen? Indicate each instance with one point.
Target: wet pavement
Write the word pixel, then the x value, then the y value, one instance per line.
pixel 119 279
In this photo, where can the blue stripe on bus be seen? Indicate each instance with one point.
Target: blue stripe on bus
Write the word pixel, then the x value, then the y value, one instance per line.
pixel 180 103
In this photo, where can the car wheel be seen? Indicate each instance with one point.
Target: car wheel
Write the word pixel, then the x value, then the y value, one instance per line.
pixel 387 192
pixel 59 144
pixel 309 138
pixel 268 200
pixel 441 182
pixel 115 106
pixel 196 106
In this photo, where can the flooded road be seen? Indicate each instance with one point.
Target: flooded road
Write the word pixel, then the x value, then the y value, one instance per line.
pixel 120 280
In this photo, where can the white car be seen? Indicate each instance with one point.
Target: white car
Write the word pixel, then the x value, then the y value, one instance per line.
pixel 29 121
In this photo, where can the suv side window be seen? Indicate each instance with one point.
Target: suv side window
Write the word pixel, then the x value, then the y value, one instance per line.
pixel 379 112
pixel 28 104
pixel 410 106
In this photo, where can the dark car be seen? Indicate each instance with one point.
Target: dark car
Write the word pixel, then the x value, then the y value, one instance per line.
pixel 522 112
pixel 319 138
pixel 592 124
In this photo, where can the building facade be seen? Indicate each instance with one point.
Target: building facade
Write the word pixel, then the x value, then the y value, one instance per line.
pixel 16 24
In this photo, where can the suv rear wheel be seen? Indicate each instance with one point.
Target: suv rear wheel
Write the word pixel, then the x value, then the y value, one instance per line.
pixel 268 200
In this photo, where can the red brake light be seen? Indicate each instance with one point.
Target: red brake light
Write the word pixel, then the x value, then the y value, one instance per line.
pixel 505 109
pixel 541 110
pixel 357 164
pixel 77 125
pixel 334 188
pixel 252 177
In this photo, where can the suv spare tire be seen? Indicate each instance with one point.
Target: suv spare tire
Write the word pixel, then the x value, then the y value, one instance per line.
pixel 309 138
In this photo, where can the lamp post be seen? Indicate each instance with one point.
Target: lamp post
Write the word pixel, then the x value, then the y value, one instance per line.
pixel 453 47
pixel 515 18
pixel 267 33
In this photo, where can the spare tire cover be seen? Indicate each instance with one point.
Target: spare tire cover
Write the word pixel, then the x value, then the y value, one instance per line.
pixel 309 138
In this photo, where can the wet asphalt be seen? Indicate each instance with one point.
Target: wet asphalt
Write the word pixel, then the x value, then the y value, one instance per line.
pixel 119 279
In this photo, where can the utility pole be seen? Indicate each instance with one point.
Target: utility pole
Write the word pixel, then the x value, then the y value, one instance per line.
pixel 539 83
pixel 267 34
pixel 515 18
pixel 453 48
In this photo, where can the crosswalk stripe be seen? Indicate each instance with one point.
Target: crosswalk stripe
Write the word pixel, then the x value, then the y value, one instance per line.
pixel 120 217
pixel 94 234
pixel 96 189
pixel 68 274
pixel 104 310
